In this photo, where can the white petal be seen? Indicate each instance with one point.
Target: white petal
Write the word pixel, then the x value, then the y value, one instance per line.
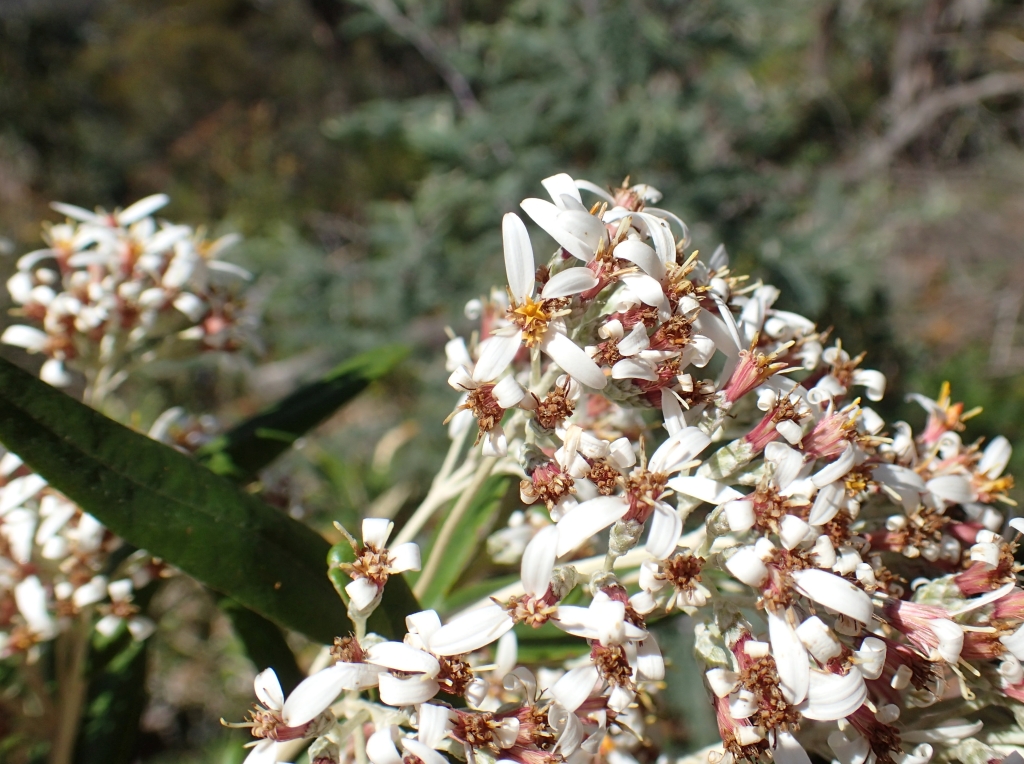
pixel 646 288
pixel 951 488
pixel 539 561
pixel 995 457
pixel 650 664
pixel 405 557
pixel 666 527
pixel 790 658
pixel 18 527
pixel 575 687
pixel 402 657
pixel 142 208
pixel 792 432
pixel 742 704
pixel 432 723
pixel 141 628
pixel 560 185
pixel 423 624
pixel 740 515
pixel 268 690
pixel 577 235
pixel 572 359
pixel 787 462
pixel 705 489
pixel 712 326
pixel 788 750
pixel 747 567
pixel 837 469
pixel 27 337
pixel 635 341
pixel 422 752
pixel 519 265
pixel 952 730
pixel 634 368
pixel 380 748
pixel 406 692
pixel 508 392
pixel 108 625
pixel 496 353
pixel 586 185
pixel 30 597
pixel 90 593
pixel 661 236
pixel 951 639
pixel 679 449
pixel 190 305
pixel 471 631
pixel 495 443
pixel 376 531
pixel 827 503
pixel 722 681
pixel 74 212
pixel 588 518
pixel 362 593
pixel 792 531
pixel 818 639
pixel 873 380
pixel 833 696
pixel 849 751
pixel 569 282
pixel 835 593
pixel 871 657
pixel 315 693
pixel 20 490
pixel 643 255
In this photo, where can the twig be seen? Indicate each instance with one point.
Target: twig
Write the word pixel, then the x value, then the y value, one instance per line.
pixel 441 489
pixel 71 686
pixel 917 119
pixel 429 49
pixel 450 524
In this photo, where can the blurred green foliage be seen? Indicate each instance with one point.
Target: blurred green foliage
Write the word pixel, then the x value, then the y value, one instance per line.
pixel 863 155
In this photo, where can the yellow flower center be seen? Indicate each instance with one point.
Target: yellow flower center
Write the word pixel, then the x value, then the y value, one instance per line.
pixel 532 319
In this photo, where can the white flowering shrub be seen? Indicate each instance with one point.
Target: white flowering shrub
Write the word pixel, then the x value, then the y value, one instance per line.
pixel 688 449
pixel 682 448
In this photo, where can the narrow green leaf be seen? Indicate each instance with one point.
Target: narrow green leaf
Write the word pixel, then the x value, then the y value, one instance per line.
pixel 255 443
pixel 160 500
pixel 466 542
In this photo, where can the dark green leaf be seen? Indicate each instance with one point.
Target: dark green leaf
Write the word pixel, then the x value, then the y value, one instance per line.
pixel 160 500
pixel 264 643
pixel 253 444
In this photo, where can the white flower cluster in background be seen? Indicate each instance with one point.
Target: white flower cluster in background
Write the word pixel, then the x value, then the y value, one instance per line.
pixel 110 292
pixel 686 447
pixel 55 565
pixel 113 290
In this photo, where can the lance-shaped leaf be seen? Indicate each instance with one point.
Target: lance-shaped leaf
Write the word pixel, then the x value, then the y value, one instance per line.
pixel 252 445
pixel 161 500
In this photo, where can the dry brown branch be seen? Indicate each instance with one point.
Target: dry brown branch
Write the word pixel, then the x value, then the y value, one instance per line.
pixel 914 121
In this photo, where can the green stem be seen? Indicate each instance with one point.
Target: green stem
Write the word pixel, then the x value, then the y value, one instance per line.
pixel 451 522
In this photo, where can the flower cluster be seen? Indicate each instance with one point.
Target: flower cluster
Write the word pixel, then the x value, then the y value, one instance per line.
pixel 54 567
pixel 112 290
pixel 687 447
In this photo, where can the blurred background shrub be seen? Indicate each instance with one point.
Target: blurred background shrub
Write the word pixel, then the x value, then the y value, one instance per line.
pixel 863 155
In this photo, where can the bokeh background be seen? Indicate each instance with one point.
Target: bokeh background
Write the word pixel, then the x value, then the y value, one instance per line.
pixel 864 155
